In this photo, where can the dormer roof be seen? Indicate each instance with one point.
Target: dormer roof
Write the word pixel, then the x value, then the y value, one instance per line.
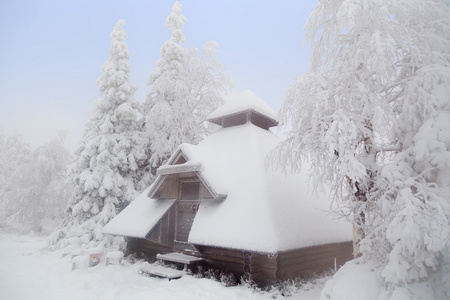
pixel 243 108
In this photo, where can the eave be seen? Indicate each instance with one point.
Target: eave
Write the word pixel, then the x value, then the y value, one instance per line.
pixel 181 168
pixel 219 120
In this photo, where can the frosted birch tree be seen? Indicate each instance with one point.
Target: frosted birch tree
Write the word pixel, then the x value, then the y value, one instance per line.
pixel 111 156
pixel 372 118
pixel 185 88
pixel 14 152
pixel 35 188
pixel 2 159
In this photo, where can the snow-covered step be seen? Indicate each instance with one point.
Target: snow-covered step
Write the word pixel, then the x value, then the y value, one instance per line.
pixel 176 257
pixel 179 258
pixel 161 272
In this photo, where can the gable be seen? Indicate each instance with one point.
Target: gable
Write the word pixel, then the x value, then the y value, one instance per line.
pixel 170 186
pixel 180 166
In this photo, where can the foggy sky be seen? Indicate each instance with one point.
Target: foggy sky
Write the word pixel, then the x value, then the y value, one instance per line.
pixel 52 53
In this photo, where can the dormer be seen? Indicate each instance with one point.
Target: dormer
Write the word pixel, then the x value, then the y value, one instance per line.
pixel 244 108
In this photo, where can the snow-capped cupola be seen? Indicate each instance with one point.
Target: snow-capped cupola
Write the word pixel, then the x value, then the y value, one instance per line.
pixel 243 108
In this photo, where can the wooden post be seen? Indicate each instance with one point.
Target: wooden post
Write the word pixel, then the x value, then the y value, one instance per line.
pixel 361 196
pixel 95 256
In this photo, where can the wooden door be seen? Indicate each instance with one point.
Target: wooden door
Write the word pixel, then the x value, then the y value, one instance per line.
pixel 187 206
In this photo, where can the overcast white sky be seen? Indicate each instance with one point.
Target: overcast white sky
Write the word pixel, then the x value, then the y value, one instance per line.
pixel 52 53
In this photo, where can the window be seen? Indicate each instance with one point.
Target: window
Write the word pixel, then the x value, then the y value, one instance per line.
pixel 190 190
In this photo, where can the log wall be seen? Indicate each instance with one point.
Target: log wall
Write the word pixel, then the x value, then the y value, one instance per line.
pixel 307 261
pixel 261 268
pixel 227 260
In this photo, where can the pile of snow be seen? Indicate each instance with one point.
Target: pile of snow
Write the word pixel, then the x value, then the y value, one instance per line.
pixel 357 280
pixel 114 258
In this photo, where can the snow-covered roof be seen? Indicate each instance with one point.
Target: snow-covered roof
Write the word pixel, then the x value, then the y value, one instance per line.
pixel 245 101
pixel 264 210
pixel 139 217
pixel 260 209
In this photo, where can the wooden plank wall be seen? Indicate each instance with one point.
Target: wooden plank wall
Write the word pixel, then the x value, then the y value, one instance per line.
pixel 243 264
pixel 227 260
pixel 307 261
pixel 186 211
pixel 169 188
pixel 164 231
pixel 261 268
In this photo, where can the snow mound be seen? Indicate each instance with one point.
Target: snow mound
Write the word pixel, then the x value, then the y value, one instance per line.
pixel 358 280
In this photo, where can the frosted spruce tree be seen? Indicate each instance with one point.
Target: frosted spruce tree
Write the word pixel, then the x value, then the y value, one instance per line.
pixel 372 117
pixel 111 156
pixel 185 88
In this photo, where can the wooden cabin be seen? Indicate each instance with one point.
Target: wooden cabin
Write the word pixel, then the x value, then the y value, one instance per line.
pixel 218 200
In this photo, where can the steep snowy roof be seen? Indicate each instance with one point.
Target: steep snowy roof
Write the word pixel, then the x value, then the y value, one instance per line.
pixel 245 101
pixel 264 210
pixel 139 217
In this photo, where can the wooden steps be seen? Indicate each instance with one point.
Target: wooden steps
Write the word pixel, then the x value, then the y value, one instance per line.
pixel 169 273
pixel 186 260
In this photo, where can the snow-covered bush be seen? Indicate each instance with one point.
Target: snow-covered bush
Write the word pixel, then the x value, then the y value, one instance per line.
pixel 226 279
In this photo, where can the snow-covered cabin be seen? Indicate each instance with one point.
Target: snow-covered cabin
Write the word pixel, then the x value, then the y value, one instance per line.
pixel 219 201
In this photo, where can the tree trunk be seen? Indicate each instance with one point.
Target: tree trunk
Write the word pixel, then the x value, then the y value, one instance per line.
pixel 361 196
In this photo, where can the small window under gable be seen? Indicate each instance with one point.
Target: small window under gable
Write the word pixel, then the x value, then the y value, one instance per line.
pixel 190 190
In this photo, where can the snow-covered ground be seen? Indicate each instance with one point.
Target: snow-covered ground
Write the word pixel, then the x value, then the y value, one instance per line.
pixel 28 271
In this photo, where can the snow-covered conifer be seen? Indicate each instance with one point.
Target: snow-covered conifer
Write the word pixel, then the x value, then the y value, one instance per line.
pixel 372 118
pixel 185 88
pixel 109 161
